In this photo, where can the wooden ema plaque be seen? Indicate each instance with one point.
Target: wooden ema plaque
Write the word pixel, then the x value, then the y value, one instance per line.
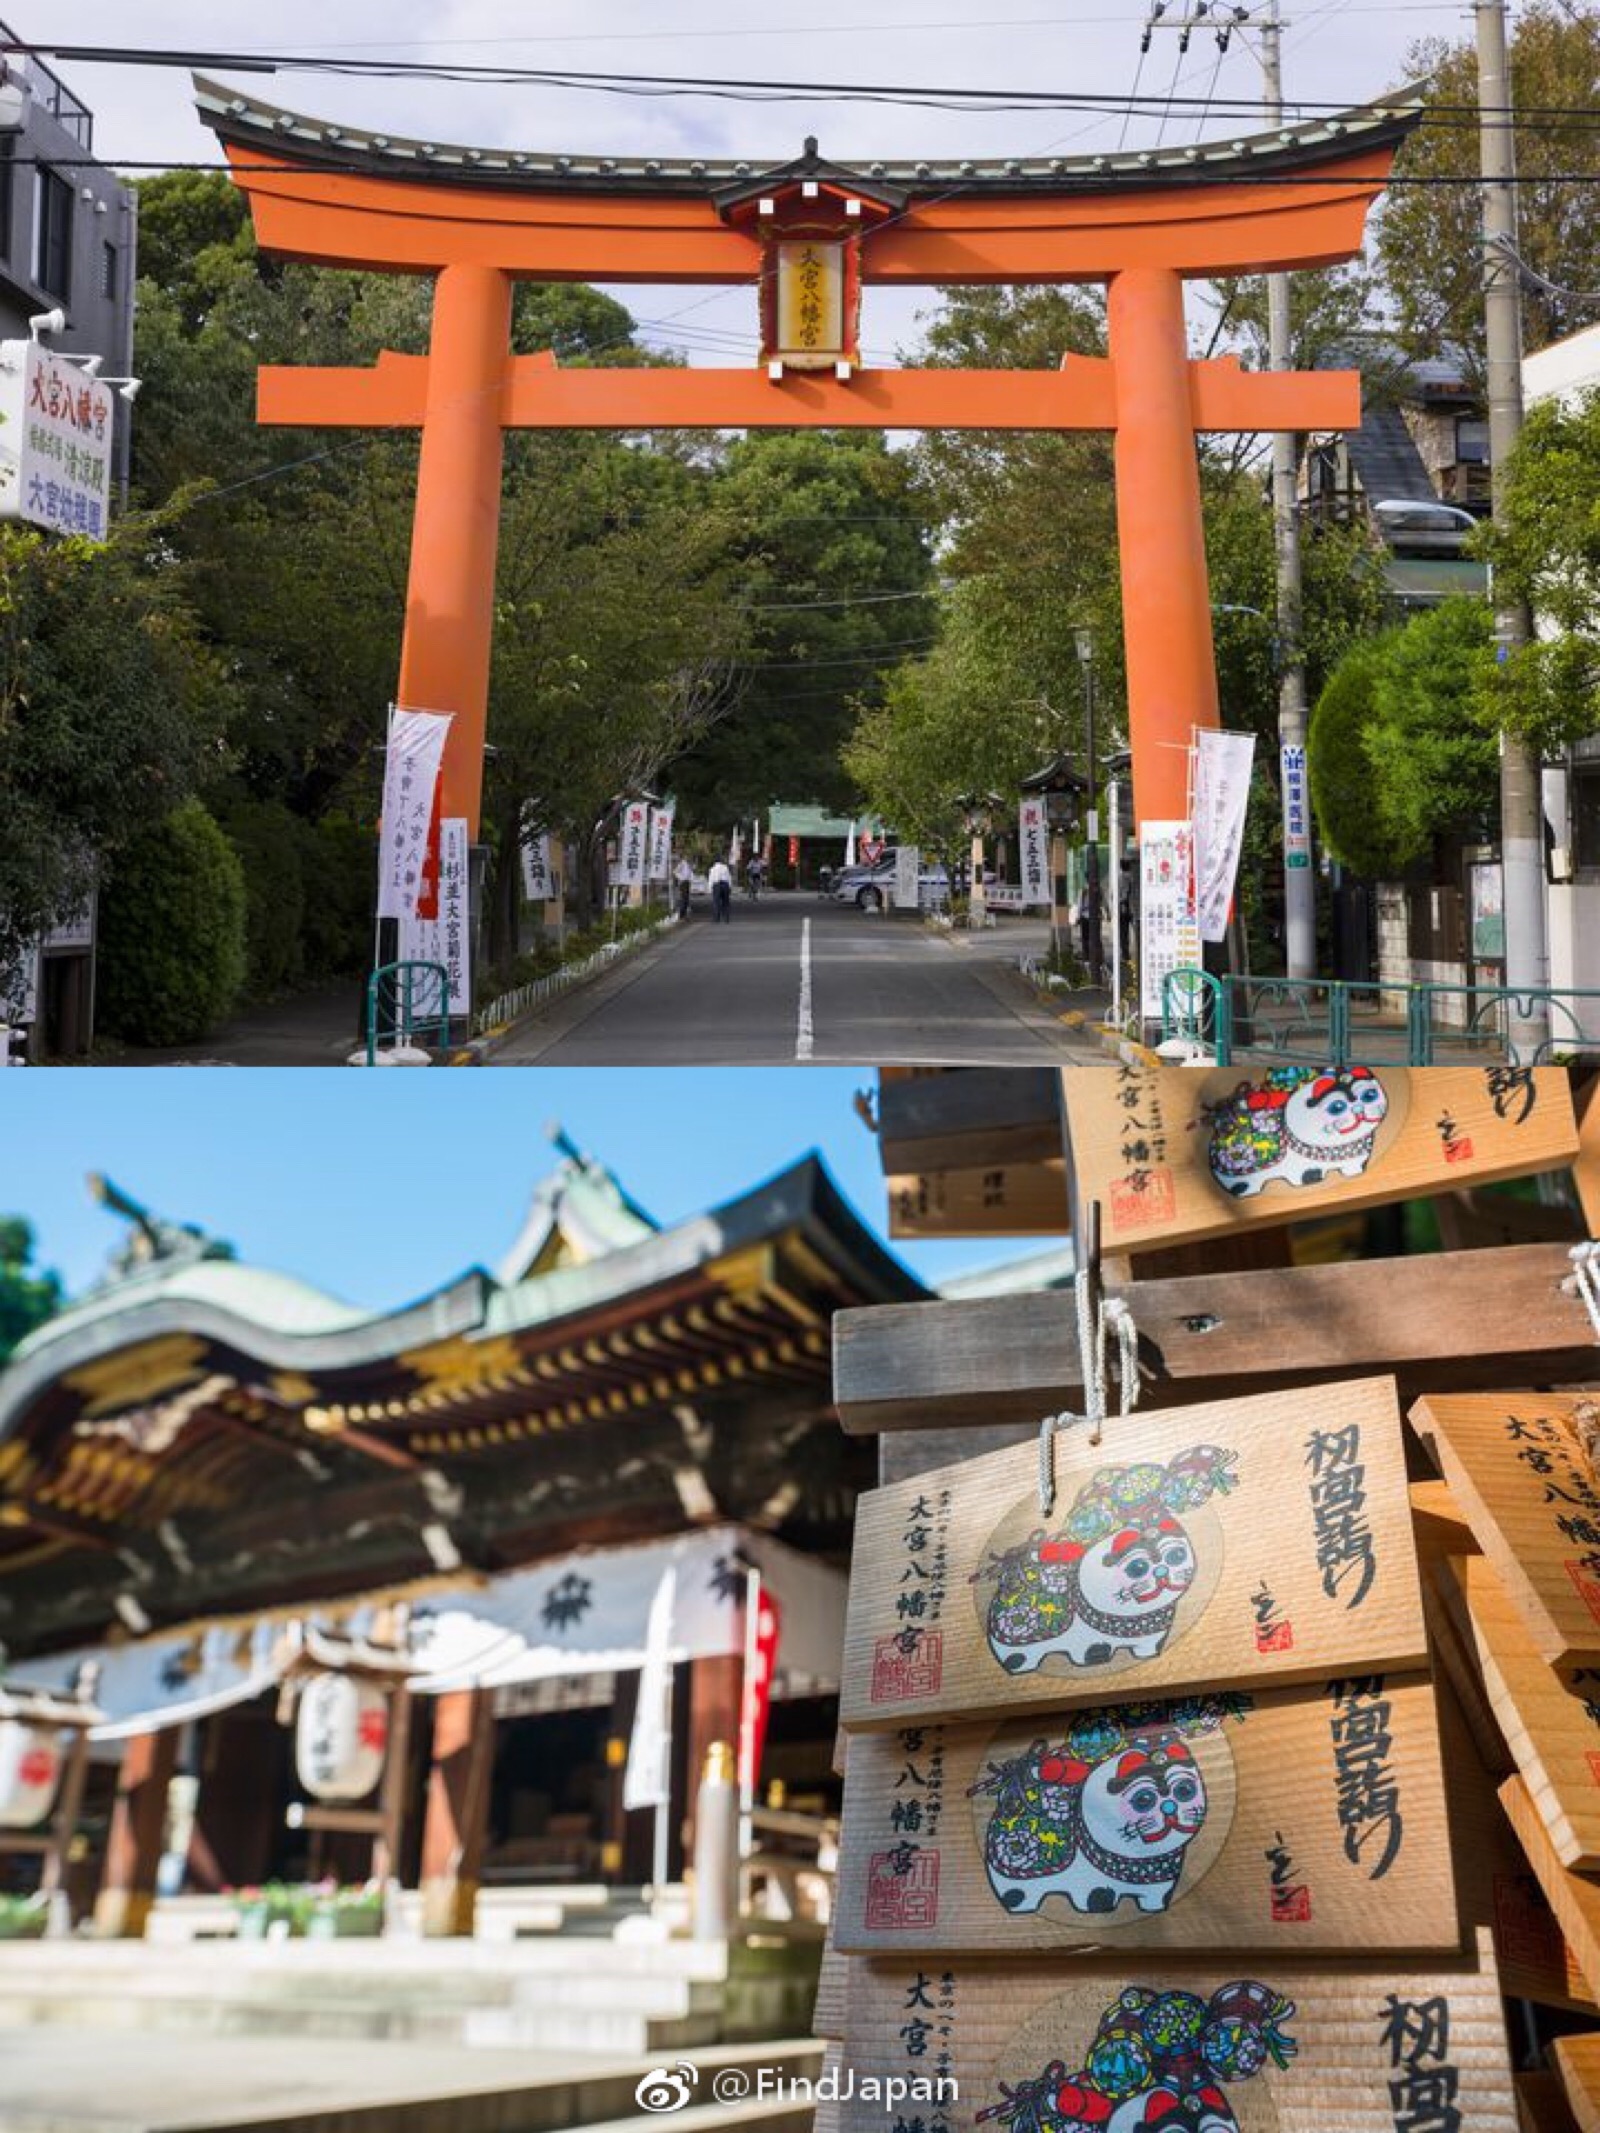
pixel 1027 1199
pixel 1441 1534
pixel 1174 1156
pixel 1574 1899
pixel 1148 2045
pixel 1296 1821
pixel 1578 2063
pixel 1245 1544
pixel 1515 1467
pixel 1551 1726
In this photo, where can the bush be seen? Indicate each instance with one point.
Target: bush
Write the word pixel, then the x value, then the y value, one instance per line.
pixel 269 842
pixel 1336 761
pixel 172 932
pixel 339 867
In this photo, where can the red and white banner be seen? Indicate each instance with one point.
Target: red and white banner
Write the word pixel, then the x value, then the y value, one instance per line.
pixel 1033 835
pixel 1169 937
pixel 661 821
pixel 632 845
pixel 410 782
pixel 761 1663
pixel 1222 766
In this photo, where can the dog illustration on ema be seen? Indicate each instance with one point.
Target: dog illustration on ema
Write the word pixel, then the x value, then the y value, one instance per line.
pixel 1106 1813
pixel 1158 2063
pixel 1297 1126
pixel 1111 1579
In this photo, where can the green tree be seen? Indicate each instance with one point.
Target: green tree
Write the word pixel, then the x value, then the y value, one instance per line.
pixel 172 932
pixel 1401 719
pixel 1430 234
pixel 27 1297
pixel 1545 549
pixel 110 710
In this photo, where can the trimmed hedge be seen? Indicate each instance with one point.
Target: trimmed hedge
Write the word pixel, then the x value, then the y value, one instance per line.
pixel 172 932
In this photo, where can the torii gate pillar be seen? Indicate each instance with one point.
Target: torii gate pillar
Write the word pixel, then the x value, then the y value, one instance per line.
pixel 449 632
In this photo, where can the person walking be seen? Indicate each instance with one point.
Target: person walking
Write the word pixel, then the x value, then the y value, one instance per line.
pixel 721 881
pixel 684 875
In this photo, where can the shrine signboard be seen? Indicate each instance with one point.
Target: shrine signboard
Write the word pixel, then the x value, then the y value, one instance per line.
pixel 1294 1820
pixel 1237 1545
pixel 1175 1156
pixel 1122 2047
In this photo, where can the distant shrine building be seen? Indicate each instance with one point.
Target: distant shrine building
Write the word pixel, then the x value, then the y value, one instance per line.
pixel 345 1594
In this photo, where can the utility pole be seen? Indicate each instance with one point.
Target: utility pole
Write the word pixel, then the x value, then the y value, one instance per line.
pixel 1521 809
pixel 1299 885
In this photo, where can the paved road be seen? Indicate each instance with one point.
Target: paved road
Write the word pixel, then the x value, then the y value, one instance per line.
pixel 792 978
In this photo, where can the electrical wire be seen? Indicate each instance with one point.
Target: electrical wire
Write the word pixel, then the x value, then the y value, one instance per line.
pixel 1503 244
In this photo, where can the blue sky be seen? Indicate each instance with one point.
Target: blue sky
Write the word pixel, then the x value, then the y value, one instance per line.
pixel 378 1187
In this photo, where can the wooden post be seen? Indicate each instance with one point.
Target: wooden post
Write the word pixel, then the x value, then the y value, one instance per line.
pixel 392 1796
pixel 444 661
pixel 64 1823
pixel 715 1693
pixel 457 1823
pixel 1166 590
pixel 133 1848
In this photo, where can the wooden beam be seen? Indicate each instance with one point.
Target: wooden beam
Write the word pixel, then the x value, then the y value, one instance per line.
pixel 969 1117
pixel 1453 1321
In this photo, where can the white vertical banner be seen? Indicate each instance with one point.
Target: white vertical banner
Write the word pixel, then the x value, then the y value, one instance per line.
pixel 537 886
pixel 1296 806
pixel 1222 766
pixel 1169 935
pixel 907 868
pixel 632 845
pixel 1033 836
pixel 410 774
pixel 647 1780
pixel 661 821
pixel 446 939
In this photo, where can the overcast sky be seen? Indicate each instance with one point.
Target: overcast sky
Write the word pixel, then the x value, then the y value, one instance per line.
pixel 1349 50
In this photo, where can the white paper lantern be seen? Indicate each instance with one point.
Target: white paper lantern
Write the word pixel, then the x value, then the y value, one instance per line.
pixel 340 1737
pixel 31 1761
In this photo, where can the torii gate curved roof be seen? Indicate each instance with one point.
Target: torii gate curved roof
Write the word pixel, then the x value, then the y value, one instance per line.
pixel 1293 197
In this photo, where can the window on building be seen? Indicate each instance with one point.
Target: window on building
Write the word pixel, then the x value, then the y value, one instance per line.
pixel 52 263
pixel 1472 441
pixel 1584 801
pixel 108 272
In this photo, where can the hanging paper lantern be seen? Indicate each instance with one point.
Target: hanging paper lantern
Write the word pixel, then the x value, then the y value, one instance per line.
pixel 340 1737
pixel 30 1771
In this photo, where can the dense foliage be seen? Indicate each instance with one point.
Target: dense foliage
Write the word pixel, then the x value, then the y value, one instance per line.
pixel 172 932
pixel 28 1295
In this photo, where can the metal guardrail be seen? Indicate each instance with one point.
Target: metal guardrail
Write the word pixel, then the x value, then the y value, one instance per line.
pixel 538 990
pixel 1332 1022
pixel 395 1008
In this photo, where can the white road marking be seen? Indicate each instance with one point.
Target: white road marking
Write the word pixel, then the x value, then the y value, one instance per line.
pixel 803 1034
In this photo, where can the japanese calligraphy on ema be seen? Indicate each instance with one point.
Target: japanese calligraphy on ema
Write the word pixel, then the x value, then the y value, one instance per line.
pixel 56 433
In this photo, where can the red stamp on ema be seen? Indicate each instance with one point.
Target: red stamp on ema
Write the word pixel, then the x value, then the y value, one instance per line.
pixel 910 1663
pixel 1143 1197
pixel 1582 1573
pixel 1593 1760
pixel 1275 1637
pixel 1291 1907
pixel 902 1890
pixel 1458 1151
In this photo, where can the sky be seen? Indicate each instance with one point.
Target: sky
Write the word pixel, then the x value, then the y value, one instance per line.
pixel 1346 50
pixel 379 1188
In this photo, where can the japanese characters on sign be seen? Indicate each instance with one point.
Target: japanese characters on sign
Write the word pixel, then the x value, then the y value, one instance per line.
pixel 1169 931
pixel 1296 806
pixel 661 821
pixel 410 780
pixel 811 302
pixel 632 847
pixel 447 938
pixel 538 885
pixel 1033 836
pixel 56 434
pixel 907 872
pixel 1222 766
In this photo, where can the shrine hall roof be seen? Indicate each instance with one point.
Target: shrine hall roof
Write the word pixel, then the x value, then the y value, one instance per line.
pixel 249 123
pixel 199 1437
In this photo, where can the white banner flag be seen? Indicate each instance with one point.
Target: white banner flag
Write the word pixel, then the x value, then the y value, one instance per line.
pixel 1169 938
pixel 907 867
pixel 537 885
pixel 1222 766
pixel 632 845
pixel 1034 837
pixel 447 938
pixel 661 821
pixel 410 774
pixel 648 1778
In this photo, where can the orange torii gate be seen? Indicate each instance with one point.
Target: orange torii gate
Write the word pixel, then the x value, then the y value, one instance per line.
pixel 807 235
